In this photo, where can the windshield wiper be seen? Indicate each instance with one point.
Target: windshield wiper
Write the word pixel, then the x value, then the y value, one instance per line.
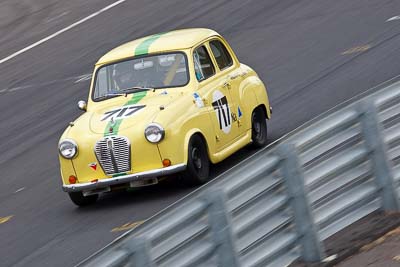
pixel 134 89
pixel 125 92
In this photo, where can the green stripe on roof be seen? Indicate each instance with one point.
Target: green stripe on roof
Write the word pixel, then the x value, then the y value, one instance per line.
pixel 143 48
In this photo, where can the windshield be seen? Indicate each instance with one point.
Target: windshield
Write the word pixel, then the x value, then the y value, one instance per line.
pixel 153 71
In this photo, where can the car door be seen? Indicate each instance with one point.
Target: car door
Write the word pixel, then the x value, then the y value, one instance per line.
pixel 231 75
pixel 213 93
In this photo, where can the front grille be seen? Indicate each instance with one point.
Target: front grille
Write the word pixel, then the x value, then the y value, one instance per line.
pixel 114 154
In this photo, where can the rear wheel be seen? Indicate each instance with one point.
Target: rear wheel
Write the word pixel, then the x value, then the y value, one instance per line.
pixel 198 165
pixel 80 200
pixel 258 128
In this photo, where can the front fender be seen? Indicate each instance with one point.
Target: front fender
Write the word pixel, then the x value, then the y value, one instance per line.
pixel 184 120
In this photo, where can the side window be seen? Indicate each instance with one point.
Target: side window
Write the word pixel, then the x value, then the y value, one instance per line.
pixel 221 54
pixel 202 64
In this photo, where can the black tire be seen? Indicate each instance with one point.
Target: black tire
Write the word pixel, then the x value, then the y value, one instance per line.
pixel 80 200
pixel 198 165
pixel 258 128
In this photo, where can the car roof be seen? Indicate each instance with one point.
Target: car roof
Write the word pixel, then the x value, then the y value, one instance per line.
pixel 158 43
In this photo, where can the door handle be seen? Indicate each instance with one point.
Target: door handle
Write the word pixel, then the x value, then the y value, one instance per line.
pixel 234 76
pixel 226 85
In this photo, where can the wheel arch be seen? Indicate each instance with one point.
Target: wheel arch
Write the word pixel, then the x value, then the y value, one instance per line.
pixel 264 109
pixel 188 136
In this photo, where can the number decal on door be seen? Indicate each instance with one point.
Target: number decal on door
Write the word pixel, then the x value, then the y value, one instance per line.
pixel 121 113
pixel 222 111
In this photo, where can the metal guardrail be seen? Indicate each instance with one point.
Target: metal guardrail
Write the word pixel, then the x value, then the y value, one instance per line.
pixel 282 203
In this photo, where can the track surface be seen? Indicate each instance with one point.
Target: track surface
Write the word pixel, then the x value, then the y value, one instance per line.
pixel 298 47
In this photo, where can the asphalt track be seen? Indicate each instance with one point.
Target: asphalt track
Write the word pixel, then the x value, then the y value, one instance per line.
pixel 312 55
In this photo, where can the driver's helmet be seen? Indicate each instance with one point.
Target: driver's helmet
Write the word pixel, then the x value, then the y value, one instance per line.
pixel 123 75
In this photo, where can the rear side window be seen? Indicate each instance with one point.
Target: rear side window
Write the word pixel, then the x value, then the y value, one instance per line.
pixel 202 64
pixel 221 54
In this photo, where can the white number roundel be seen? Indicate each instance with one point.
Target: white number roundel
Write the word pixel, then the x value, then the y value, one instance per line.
pixel 222 111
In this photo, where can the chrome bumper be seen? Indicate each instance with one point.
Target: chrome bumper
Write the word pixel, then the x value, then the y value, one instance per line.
pixel 124 179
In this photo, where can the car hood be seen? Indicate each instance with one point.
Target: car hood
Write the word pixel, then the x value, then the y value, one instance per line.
pixel 133 110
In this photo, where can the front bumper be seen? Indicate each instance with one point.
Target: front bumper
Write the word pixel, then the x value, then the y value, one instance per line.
pixel 104 183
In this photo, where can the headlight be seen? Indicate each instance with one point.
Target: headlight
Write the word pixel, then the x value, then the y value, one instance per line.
pixel 154 133
pixel 68 148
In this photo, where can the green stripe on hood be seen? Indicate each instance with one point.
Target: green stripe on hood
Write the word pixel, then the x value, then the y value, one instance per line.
pixel 136 97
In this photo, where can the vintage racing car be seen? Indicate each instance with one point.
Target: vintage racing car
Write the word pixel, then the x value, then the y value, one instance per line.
pixel 163 104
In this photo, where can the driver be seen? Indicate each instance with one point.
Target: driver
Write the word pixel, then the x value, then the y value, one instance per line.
pixel 123 75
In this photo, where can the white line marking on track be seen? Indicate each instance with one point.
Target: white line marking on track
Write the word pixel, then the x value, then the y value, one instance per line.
pixel 57 17
pixel 393 18
pixel 17 88
pixel 77 78
pixel 83 78
pixel 19 190
pixel 61 31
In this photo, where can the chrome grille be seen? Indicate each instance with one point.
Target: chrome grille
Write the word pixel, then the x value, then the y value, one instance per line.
pixel 114 154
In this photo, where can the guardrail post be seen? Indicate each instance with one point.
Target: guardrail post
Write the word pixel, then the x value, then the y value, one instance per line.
pixel 139 250
pixel 220 225
pixel 312 248
pixel 373 138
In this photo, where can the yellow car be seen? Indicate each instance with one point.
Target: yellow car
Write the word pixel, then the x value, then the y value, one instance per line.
pixel 160 105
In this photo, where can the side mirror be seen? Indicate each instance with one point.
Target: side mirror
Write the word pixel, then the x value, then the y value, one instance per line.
pixel 82 105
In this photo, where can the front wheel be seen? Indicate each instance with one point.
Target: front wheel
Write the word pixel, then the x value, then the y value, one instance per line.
pixel 258 128
pixel 198 165
pixel 80 200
